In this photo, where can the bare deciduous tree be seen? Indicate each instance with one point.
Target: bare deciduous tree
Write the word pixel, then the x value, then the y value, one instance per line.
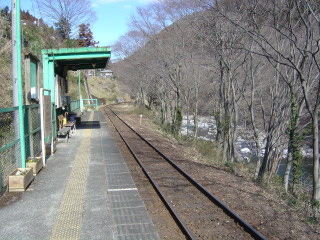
pixel 295 24
pixel 262 71
pixel 67 15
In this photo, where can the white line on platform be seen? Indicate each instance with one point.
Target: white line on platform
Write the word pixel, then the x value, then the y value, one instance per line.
pixel 122 189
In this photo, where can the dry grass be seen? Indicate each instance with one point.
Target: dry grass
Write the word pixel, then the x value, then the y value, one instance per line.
pixel 104 88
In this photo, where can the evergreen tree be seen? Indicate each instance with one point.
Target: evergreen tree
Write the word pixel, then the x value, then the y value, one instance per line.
pixel 5 11
pixel 86 38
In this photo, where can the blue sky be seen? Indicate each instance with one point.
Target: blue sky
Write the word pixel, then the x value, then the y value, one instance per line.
pixel 112 16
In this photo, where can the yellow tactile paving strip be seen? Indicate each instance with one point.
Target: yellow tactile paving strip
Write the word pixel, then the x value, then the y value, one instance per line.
pixel 69 219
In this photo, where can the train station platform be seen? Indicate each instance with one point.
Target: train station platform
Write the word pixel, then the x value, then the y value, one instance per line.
pixel 84 192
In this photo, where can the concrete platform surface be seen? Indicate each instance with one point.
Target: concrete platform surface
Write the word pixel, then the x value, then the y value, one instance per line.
pixel 84 192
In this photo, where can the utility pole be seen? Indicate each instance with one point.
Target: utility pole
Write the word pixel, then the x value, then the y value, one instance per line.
pixel 80 96
pixel 14 55
pixel 17 79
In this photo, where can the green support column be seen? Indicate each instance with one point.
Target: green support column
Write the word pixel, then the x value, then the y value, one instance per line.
pixel 52 87
pixel 52 81
pixel 49 83
pixel 45 72
pixel 79 77
pixel 19 81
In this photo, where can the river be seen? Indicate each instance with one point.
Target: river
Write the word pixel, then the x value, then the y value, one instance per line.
pixel 207 130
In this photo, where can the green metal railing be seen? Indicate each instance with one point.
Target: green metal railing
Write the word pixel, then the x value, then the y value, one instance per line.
pixel 75 105
pixel 10 149
pixel 91 104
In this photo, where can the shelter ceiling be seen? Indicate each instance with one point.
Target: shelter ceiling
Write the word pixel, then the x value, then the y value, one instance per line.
pixel 79 58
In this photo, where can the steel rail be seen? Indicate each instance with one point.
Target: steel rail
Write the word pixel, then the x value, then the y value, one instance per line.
pixel 245 225
pixel 169 206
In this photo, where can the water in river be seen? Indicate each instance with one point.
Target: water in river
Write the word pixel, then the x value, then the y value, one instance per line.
pixel 207 130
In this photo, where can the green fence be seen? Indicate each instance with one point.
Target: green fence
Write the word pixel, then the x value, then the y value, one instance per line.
pixel 90 104
pixel 10 155
pixel 75 105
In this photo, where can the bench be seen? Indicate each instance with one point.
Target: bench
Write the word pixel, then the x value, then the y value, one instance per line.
pixel 63 134
pixel 73 117
pixel 66 129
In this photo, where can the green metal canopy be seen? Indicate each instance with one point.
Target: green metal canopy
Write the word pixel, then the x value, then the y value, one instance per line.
pixel 59 61
pixel 79 58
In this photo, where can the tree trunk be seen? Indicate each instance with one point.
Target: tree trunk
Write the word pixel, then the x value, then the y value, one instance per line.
pixel 218 118
pixel 274 164
pixel 294 155
pixel 314 112
pixel 265 161
pixel 195 112
pixel 316 170
pixel 288 168
pixel 234 127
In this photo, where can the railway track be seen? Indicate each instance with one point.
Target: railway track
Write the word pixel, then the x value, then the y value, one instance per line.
pixel 198 213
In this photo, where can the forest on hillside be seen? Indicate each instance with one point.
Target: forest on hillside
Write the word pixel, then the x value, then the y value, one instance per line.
pixel 58 27
pixel 249 63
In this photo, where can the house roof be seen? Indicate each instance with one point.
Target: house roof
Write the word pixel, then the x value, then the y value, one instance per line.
pixel 106 71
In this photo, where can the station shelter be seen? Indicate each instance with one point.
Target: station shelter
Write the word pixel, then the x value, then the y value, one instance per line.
pixel 56 64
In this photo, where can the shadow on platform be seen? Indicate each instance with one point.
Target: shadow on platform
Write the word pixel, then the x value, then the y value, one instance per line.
pixel 89 125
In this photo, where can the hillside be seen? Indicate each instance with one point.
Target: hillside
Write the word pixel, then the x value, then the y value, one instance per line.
pixel 5 62
pixel 99 87
pixel 37 36
pixel 106 88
